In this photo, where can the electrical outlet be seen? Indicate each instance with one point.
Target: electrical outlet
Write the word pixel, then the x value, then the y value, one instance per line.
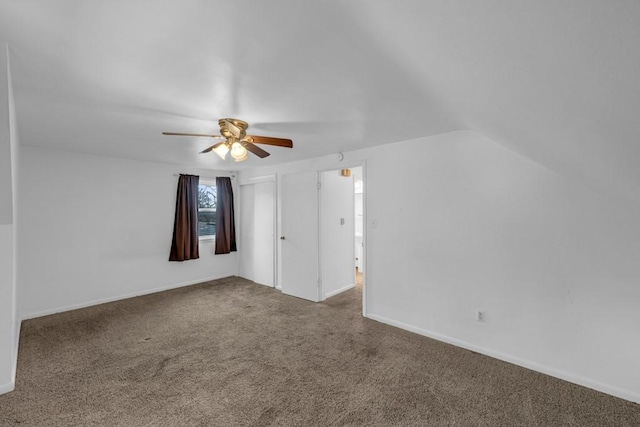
pixel 480 316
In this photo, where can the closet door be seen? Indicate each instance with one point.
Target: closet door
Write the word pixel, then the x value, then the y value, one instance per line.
pixel 299 235
pixel 257 236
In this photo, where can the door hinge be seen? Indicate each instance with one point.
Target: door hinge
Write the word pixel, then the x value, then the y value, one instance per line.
pixel 319 185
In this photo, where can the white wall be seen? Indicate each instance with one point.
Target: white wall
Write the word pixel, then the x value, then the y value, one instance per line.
pixel 6 307
pixel 15 167
pixel 337 270
pixel 463 223
pixel 97 229
pixel 9 325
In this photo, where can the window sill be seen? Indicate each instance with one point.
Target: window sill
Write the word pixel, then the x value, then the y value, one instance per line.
pixel 207 238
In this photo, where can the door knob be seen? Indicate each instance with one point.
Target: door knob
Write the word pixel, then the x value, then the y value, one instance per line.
pixel 281 237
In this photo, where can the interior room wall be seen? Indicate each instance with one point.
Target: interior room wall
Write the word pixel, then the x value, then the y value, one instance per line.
pixel 98 229
pixel 15 167
pixel 6 207
pixel 6 306
pixel 465 224
pixel 337 231
pixel 9 325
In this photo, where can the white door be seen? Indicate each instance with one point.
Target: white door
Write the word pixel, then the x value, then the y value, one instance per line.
pixel 246 231
pixel 264 234
pixel 257 232
pixel 299 235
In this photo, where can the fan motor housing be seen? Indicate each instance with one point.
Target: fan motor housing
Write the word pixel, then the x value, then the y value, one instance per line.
pixel 240 124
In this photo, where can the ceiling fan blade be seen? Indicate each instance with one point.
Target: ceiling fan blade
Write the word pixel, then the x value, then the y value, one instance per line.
pixel 192 134
pixel 213 147
pixel 280 142
pixel 255 149
pixel 307 127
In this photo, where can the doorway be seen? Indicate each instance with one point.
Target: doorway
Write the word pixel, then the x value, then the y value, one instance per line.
pixel 337 230
pixel 358 201
pixel 317 238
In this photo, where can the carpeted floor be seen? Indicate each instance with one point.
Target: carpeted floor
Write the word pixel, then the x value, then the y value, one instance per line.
pixel 233 353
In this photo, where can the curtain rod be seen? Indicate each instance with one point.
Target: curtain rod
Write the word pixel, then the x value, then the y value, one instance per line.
pixel 177 174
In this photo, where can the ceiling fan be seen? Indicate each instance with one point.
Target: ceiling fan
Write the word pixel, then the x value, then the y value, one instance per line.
pixel 236 141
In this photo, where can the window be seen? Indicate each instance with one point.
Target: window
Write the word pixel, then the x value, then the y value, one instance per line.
pixel 207 210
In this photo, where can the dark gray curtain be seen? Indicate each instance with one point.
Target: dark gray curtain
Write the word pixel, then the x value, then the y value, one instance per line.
pixel 225 219
pixel 185 225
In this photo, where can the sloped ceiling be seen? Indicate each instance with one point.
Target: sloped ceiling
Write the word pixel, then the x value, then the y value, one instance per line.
pixel 557 81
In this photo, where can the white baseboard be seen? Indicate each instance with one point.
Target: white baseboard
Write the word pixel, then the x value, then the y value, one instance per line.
pixel 557 373
pixel 339 291
pixel 121 297
pixel 6 388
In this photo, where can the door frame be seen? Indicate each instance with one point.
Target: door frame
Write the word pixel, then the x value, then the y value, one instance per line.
pixel 260 180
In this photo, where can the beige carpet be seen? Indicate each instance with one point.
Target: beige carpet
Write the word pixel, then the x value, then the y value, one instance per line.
pixel 233 353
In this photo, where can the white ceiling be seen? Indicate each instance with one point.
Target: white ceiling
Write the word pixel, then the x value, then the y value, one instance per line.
pixel 557 81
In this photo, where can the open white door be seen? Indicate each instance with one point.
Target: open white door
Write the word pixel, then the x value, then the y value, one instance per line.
pixel 299 235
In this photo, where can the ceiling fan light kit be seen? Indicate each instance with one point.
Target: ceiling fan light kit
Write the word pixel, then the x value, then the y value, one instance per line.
pixel 238 152
pixel 221 151
pixel 236 141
